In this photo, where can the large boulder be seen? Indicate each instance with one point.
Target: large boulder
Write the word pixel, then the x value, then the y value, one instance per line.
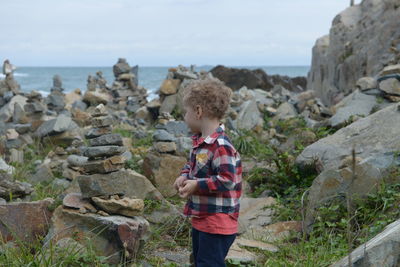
pixel 56 126
pixel 374 137
pixel 162 170
pixel 354 48
pixel 249 116
pixel 25 221
pixel 7 111
pixel 382 250
pixel 115 237
pixel 355 104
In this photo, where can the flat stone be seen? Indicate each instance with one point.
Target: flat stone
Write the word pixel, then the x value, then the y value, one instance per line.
pixel 280 230
pixel 75 201
pixel 366 83
pixel 107 140
pixel 102 121
pixel 105 166
pixel 170 86
pixel 76 160
pixel 56 126
pixel 256 244
pixel 125 206
pixel 23 128
pixel 16 189
pixel 25 221
pixel 123 182
pixel 165 147
pixel 96 132
pixel 238 254
pixel 163 135
pixel 102 151
pixel 391 69
pixel 390 86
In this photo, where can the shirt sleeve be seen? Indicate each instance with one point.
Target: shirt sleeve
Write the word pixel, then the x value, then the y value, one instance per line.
pixel 185 170
pixel 224 165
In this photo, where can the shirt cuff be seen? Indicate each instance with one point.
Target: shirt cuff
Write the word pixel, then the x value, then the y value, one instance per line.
pixel 202 182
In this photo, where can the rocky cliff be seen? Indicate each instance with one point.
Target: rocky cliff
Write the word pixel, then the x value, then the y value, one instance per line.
pixel 362 40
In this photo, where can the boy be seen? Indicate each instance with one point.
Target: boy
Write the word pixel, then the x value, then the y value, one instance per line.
pixel 212 179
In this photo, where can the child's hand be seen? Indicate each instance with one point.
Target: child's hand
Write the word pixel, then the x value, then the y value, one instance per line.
pixel 189 187
pixel 179 182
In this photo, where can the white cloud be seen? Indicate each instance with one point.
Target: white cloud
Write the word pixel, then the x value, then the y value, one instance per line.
pixel 164 32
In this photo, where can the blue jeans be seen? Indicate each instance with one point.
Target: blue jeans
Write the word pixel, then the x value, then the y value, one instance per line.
pixel 209 250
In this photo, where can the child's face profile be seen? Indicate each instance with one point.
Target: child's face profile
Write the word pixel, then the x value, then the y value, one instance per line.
pixel 192 118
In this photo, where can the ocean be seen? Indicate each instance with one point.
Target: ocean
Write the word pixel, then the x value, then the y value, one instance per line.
pixel 41 78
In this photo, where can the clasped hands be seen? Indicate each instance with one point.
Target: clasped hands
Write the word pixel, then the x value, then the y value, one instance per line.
pixel 185 187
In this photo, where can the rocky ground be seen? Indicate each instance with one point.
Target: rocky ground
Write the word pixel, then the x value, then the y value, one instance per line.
pixel 86 177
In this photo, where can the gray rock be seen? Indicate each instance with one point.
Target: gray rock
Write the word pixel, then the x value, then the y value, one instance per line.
pixel 7 111
pixel 355 104
pixel 107 140
pixel 34 107
pixel 366 83
pixel 113 237
pixel 43 174
pixel 16 189
pixel 23 128
pixel 102 151
pixel 374 137
pixel 123 182
pixel 96 132
pixel 163 135
pixel 382 250
pixel 5 167
pixel 121 67
pixel 76 160
pixel 183 145
pixel 285 111
pixel 169 104
pixel 103 121
pixel 354 48
pixel 55 101
pixel 176 128
pixel 79 104
pixel 55 126
pixel 60 184
pixel 249 116
pixel 390 86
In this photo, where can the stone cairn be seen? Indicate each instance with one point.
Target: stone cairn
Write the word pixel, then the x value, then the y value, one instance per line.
pixel 125 89
pixel 9 86
pixel 105 149
pixel 56 99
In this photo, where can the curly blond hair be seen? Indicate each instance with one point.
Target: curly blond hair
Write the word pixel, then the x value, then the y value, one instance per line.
pixel 211 94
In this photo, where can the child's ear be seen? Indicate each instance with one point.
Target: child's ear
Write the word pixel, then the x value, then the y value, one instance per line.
pixel 199 111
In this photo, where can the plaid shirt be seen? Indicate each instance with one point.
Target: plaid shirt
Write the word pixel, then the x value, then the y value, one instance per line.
pixel 216 165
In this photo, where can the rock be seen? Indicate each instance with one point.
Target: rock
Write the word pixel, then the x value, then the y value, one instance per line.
pixel 255 244
pixel 253 216
pixel 390 86
pixel 121 67
pixel 249 116
pixel 125 206
pixel 162 170
pixel 366 134
pixel 11 134
pixel 391 69
pixel 285 111
pixel 176 128
pixel 5 167
pixel 43 174
pixel 169 104
pixel 355 104
pixel 23 128
pixel 107 140
pixel 19 115
pixel 114 237
pixel 16 189
pixel 183 145
pixel 107 165
pixel 382 250
pixel 366 83
pixel 333 183
pixel 16 155
pixel 170 86
pixel 76 160
pixel 60 184
pixel 240 255
pixel 163 136
pixel 143 113
pixel 123 182
pixel 102 121
pixel 97 132
pixel 25 221
pixel 55 101
pixel 75 201
pixel 102 151
pixel 165 147
pixel 71 98
pixel 354 48
pixel 237 78
pixel 96 97
pixel 58 125
pixel 280 230
pixel 7 111
pixel 57 83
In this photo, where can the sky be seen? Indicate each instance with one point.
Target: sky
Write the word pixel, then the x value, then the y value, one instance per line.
pixel 163 32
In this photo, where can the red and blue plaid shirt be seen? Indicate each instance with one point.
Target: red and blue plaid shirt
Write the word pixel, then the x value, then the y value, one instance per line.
pixel 216 165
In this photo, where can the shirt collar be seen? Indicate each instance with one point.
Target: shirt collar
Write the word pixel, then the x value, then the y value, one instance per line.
pixel 198 140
